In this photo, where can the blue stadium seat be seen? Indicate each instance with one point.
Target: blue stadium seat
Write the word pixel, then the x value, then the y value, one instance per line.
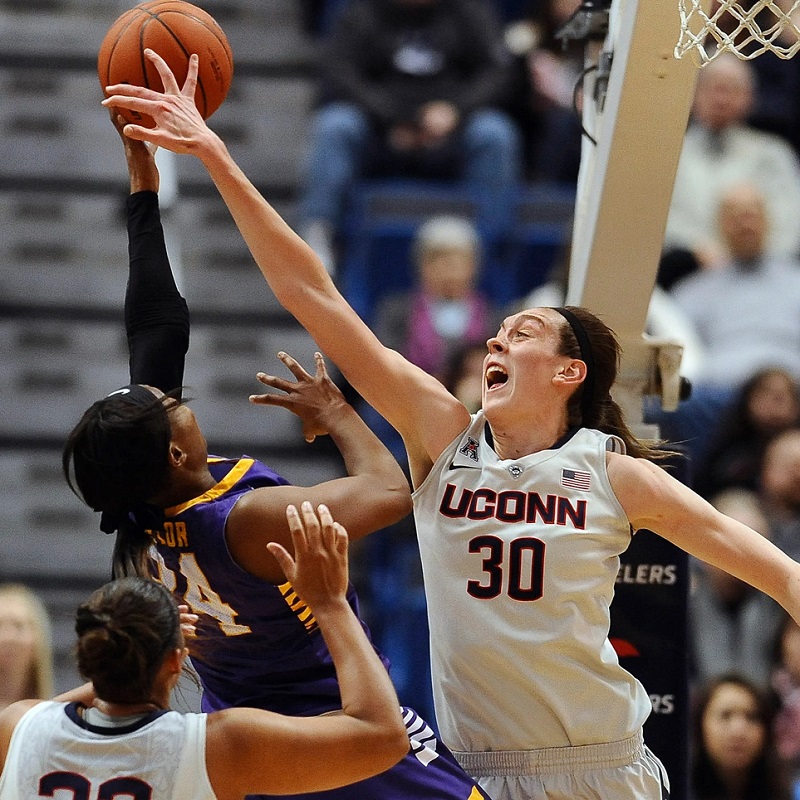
pixel 541 229
pixel 521 237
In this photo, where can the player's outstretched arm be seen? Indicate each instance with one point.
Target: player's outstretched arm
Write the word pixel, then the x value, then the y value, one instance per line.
pixel 654 500
pixel 373 494
pixel 251 751
pixel 416 404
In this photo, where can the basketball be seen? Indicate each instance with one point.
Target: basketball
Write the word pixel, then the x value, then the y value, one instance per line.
pixel 174 29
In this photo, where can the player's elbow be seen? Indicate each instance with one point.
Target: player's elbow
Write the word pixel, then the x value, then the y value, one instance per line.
pixel 390 745
pixel 398 502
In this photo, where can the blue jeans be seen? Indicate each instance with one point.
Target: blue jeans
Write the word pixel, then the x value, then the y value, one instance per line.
pixel 489 147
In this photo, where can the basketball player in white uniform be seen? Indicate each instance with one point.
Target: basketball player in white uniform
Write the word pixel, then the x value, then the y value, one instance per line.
pixel 91 754
pixel 116 737
pixel 522 511
pixel 525 663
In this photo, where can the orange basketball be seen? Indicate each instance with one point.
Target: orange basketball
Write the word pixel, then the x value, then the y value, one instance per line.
pixel 174 29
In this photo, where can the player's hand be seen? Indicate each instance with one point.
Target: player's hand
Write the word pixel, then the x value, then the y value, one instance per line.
pixel 315 399
pixel 318 570
pixel 188 622
pixel 179 126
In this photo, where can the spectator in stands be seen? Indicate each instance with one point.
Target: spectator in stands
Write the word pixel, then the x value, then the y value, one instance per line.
pixel 733 757
pixel 547 93
pixel 26 649
pixel 786 685
pixel 768 403
pixel 445 309
pixel 411 88
pixel 780 489
pixel 780 478
pixel 747 311
pixel 732 625
pixel 721 149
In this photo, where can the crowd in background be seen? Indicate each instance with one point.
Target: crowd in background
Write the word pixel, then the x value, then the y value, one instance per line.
pixel 481 92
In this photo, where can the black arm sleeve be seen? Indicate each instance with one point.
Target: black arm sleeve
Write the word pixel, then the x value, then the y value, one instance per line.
pixel 156 315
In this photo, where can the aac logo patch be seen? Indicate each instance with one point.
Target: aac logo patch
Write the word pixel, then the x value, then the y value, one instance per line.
pixel 469 449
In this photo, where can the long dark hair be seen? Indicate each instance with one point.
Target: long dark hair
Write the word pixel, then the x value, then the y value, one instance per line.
pixel 116 459
pixel 125 630
pixel 600 411
pixel 767 779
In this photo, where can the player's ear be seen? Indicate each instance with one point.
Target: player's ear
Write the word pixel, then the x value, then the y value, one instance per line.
pixel 572 372
pixel 177 456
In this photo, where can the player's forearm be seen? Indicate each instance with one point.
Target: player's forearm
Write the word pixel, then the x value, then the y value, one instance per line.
pixel 84 694
pixel 363 452
pixel 366 690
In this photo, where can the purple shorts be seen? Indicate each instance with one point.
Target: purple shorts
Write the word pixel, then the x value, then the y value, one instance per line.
pixel 428 772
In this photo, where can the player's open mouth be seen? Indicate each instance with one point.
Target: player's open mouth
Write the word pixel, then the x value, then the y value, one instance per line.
pixel 495 376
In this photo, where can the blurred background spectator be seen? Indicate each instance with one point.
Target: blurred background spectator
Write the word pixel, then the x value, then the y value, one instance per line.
pixel 767 403
pixel 731 625
pixel 780 489
pixel 733 757
pixel 408 88
pixel 445 310
pixel 747 310
pixel 746 313
pixel 786 685
pixel 26 650
pixel 548 92
pixel 720 148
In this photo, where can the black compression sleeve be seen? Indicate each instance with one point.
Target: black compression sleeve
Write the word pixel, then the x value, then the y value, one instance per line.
pixel 156 315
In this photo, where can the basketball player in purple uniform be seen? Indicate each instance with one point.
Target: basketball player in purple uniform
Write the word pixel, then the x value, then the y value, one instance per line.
pixel 522 510
pixel 201 523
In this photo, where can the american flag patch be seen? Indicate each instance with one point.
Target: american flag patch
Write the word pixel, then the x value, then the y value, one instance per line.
pixel 576 479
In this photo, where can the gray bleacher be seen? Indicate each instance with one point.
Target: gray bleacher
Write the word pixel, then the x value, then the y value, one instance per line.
pixel 62 272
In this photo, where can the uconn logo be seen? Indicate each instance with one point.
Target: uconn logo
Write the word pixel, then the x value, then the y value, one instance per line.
pixel 512 506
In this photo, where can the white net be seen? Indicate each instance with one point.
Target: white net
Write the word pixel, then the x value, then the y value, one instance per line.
pixel 746 28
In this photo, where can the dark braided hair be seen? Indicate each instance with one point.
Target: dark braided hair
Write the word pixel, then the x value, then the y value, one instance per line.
pixel 600 411
pixel 115 459
pixel 125 630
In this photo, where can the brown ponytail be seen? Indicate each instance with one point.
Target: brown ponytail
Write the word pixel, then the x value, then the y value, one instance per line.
pixel 599 410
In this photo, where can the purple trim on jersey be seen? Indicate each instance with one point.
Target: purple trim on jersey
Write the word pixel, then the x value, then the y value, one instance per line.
pixel 413 777
pixel 282 664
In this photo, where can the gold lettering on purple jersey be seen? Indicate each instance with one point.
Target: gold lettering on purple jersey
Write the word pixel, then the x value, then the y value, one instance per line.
pixel 300 608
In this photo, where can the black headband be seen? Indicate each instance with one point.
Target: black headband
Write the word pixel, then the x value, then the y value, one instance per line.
pixel 134 393
pixel 585 346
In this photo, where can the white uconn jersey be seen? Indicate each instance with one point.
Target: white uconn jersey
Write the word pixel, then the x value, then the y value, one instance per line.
pixel 520 559
pixel 55 753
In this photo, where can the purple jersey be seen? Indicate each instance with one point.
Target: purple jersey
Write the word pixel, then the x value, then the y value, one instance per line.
pixel 258 643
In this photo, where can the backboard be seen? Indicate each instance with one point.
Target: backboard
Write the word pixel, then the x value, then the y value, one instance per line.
pixel 636 108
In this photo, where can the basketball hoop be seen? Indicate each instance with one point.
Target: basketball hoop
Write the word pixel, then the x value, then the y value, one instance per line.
pixel 746 28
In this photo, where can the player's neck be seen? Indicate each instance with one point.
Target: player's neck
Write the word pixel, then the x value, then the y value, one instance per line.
pixel 518 441
pixel 130 709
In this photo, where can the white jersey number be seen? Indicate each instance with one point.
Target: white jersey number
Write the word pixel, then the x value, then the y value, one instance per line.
pixel 199 595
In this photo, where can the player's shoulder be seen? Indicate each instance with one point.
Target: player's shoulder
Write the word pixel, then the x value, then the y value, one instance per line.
pixel 9 719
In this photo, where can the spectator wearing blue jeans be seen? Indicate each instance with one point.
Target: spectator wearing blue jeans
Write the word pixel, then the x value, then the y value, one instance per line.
pixel 411 88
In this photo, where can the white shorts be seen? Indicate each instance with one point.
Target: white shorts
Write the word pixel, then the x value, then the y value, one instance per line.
pixel 625 770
